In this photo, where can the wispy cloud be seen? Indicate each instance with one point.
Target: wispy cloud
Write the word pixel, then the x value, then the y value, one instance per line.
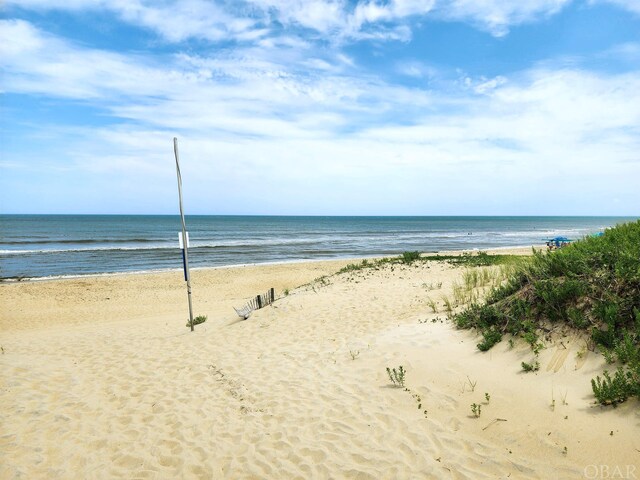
pixel 174 20
pixel 629 5
pixel 497 16
pixel 325 131
pixel 333 20
pixel 251 92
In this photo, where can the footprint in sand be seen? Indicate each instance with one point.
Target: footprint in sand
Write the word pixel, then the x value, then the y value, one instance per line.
pixel 557 361
pixel 581 359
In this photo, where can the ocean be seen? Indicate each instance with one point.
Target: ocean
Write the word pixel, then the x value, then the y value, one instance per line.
pixel 35 246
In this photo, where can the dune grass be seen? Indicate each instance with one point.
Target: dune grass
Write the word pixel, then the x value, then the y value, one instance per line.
pixel 592 285
pixel 479 259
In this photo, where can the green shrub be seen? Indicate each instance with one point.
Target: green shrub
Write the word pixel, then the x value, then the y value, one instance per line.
pixel 592 284
pixel 490 336
pixel 198 320
pixel 410 257
pixel 611 391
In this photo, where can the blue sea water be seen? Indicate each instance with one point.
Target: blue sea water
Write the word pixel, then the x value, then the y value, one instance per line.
pixel 67 245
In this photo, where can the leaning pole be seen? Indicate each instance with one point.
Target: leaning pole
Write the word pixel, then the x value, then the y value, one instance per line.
pixel 185 245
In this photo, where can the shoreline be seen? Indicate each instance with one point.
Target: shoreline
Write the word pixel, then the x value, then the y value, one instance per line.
pixel 493 250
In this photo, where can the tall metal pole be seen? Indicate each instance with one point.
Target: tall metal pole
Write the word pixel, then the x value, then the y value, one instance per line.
pixel 185 252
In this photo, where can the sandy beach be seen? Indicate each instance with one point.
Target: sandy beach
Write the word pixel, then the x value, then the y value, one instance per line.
pixel 100 378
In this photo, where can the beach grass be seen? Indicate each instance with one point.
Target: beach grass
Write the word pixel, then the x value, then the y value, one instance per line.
pixel 197 320
pixel 477 259
pixel 592 285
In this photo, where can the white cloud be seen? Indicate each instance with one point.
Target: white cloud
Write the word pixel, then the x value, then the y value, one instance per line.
pixel 416 69
pixel 545 123
pixel 485 86
pixel 497 16
pixel 36 62
pixel 321 15
pixel 19 38
pixel 372 11
pixel 334 20
pixel 630 5
pixel 174 20
pixel 187 19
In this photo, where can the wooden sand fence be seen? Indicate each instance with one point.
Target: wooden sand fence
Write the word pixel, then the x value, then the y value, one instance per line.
pixel 256 303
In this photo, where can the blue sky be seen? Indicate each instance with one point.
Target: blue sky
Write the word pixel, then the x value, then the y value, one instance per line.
pixel 321 107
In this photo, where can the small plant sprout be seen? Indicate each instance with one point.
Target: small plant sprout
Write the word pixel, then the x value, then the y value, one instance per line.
pixel 537 348
pixel 354 354
pixel 531 367
pixel 476 410
pixel 487 397
pixel 397 376
pixel 432 305
pixel 198 320
pixel 447 304
pixel 564 450
pixel 286 292
pixel 472 384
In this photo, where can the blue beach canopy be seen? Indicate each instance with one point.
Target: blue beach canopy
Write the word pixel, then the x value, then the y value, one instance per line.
pixel 559 241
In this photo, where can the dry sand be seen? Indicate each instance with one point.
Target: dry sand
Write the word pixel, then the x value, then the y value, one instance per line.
pixel 100 378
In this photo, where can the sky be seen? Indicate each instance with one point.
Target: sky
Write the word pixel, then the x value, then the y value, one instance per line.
pixel 321 107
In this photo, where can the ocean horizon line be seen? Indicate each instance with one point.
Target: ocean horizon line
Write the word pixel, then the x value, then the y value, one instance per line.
pixel 313 215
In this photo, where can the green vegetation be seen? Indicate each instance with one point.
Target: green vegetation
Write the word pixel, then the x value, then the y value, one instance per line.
pixel 531 367
pixel 432 286
pixel 592 285
pixel 447 304
pixel 432 305
pixel 479 259
pixel 410 257
pixel 624 384
pixel 198 320
pixel 397 376
pixel 476 409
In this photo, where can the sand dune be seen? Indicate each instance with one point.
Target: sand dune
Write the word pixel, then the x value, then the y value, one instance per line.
pixel 101 379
